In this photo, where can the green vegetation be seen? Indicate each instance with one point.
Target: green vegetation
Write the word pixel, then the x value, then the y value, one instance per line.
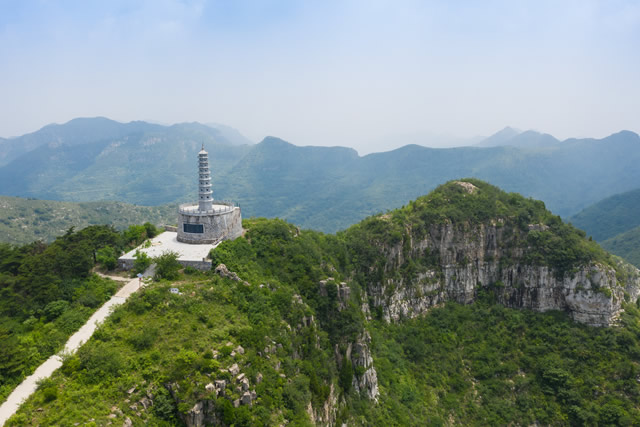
pixel 550 241
pixel 615 223
pixel 611 216
pixel 287 323
pixel 167 266
pixel 626 245
pixel 325 188
pixel 484 364
pixel 23 221
pixel 47 292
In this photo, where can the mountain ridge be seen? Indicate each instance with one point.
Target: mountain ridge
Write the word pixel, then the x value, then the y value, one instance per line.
pixel 327 188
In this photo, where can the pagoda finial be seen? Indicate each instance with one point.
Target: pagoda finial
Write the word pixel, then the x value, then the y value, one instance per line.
pixel 203 146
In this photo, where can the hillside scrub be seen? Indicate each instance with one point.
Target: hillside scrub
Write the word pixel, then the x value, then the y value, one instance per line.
pixel 47 292
pixel 290 305
pixel 473 365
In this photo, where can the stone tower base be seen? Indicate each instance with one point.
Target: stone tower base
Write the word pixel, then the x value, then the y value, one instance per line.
pixel 223 222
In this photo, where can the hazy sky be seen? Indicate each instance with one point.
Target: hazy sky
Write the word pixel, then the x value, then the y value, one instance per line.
pixel 367 74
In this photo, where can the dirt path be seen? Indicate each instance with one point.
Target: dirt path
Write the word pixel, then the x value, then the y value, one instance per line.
pixel 29 385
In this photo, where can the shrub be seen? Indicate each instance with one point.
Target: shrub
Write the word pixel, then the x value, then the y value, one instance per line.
pixel 101 361
pixel 49 394
pixel 55 308
pixel 167 266
pixel 107 257
pixel 141 263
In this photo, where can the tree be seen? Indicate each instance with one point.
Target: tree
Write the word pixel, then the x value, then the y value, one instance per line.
pixel 107 257
pixel 167 266
pixel 142 261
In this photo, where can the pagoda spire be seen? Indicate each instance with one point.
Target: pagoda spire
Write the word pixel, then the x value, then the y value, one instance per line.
pixel 205 195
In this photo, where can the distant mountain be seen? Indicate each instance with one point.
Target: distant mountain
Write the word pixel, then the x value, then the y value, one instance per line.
pixel 24 221
pixel 75 132
pixel 134 162
pixel 625 245
pixel 331 191
pixel 326 188
pixel 514 138
pixel 84 131
pixel 499 138
pixel 611 216
pixel 230 134
pixel 615 223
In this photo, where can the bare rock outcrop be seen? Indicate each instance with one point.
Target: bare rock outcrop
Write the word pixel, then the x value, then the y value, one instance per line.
pixel 365 383
pixel 465 259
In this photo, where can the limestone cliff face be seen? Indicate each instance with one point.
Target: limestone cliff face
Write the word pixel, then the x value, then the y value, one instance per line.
pixel 456 260
pixel 366 383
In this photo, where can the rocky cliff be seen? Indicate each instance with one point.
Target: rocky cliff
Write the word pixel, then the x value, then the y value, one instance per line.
pixel 451 260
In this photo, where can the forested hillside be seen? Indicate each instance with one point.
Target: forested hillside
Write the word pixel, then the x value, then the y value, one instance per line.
pixel 27 220
pixel 615 223
pixel 626 245
pixel 47 292
pixel 372 326
pixel 326 188
pixel 611 216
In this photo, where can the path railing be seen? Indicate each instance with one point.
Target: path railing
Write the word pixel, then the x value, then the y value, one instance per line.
pixel 192 208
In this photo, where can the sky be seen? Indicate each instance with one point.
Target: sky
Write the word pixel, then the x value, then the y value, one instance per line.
pixel 372 75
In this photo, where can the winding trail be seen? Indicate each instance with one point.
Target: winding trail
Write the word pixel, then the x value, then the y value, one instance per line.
pixel 30 384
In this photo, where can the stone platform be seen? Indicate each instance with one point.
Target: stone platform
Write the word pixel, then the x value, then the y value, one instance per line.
pixel 196 256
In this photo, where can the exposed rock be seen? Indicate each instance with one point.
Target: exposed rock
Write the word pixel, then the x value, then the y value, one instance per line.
pixel 195 416
pixel 244 384
pixel 127 423
pixel 360 356
pixel 236 403
pixel 233 369
pixel 259 378
pixel 240 377
pixel 131 390
pixel 210 387
pixel 246 398
pixel 467 258
pixel 239 349
pixel 222 271
pixel 468 187
pixel 146 403
pixel 327 413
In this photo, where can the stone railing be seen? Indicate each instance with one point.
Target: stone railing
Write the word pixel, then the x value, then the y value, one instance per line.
pixel 192 208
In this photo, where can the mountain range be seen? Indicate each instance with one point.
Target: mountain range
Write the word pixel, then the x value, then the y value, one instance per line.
pixel 615 223
pixel 326 188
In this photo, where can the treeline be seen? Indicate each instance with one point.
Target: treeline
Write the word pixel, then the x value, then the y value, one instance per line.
pixel 47 292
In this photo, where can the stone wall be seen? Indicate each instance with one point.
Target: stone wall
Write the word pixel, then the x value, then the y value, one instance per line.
pixel 217 227
pixel 204 265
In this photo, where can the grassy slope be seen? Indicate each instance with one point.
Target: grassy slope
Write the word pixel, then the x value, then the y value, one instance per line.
pixel 26 220
pixel 473 365
pixel 37 338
